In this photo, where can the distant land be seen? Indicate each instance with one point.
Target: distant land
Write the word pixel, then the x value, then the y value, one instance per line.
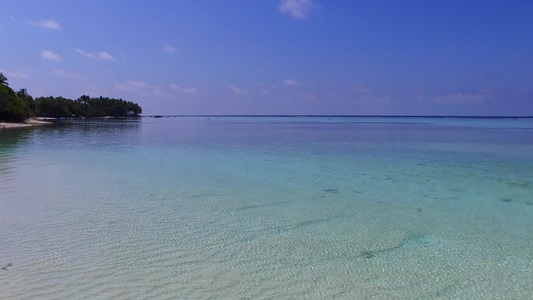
pixel 20 106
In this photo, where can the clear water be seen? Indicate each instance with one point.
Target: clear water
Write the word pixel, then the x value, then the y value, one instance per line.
pixel 268 208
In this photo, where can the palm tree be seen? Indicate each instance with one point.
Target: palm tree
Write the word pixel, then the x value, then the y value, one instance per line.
pixel 3 79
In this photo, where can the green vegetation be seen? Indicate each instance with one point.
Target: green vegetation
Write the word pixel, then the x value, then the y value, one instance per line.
pixel 84 106
pixel 18 106
pixel 12 108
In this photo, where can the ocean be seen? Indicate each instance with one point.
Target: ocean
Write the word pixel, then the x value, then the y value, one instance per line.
pixel 268 208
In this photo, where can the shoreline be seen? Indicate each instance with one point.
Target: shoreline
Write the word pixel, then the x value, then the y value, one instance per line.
pixel 31 122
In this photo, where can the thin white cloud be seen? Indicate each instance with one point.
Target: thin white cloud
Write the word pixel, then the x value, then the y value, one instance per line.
pixel 298 9
pixel 263 89
pixel 141 88
pixel 290 82
pixel 102 55
pixel 170 49
pixel 105 56
pixel 461 98
pixel 47 24
pixel 14 74
pixel 133 86
pixel 86 54
pixel 361 89
pixel 49 55
pixel 183 90
pixel 237 90
pixel 159 92
pixel 65 74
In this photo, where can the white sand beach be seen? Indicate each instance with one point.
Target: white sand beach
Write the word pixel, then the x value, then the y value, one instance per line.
pixel 27 123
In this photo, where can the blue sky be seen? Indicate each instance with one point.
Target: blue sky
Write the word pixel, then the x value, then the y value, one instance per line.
pixel 453 57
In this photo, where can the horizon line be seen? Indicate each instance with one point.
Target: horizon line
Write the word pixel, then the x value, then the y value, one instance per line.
pixel 343 116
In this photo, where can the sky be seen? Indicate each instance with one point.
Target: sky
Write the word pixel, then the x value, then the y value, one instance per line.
pixel 270 57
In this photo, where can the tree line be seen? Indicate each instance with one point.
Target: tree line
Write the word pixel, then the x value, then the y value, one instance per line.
pixel 19 106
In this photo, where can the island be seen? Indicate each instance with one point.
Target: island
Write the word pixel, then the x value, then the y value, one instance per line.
pixel 18 108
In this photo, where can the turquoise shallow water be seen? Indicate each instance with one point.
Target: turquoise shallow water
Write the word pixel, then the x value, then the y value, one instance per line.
pixel 268 208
